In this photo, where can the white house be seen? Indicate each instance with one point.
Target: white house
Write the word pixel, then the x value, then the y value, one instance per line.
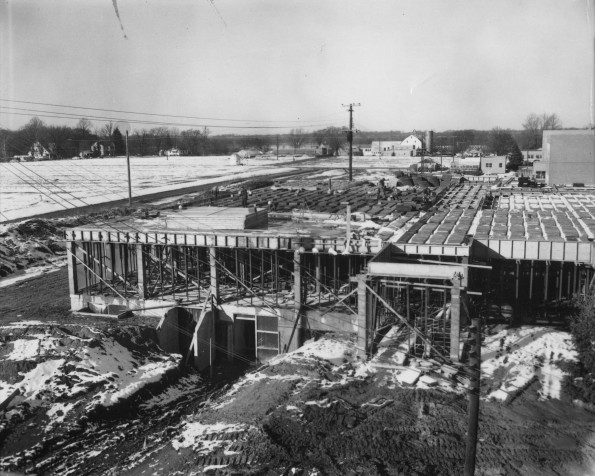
pixel 493 164
pixel 532 155
pixel 411 146
pixel 412 142
pixel 466 164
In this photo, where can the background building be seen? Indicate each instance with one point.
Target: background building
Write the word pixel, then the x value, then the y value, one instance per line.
pixel 569 157
pixel 493 164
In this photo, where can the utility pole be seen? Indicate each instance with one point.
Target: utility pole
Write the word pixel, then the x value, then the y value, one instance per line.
pixel 277 146
pixel 128 166
pixel 350 137
pixel 475 367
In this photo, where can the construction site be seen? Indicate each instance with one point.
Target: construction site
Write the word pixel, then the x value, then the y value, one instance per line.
pixel 301 324
pixel 303 258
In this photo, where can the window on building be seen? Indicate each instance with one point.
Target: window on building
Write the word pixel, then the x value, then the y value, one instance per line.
pixel 500 165
pixel 488 165
pixel 540 174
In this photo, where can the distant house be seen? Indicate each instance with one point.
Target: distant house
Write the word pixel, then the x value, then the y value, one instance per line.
pixel 531 156
pixel 493 164
pixel 103 149
pixel 427 165
pixel 324 149
pixel 477 150
pixel 174 152
pixel 248 153
pixel 411 146
pixel 39 152
pixel 466 164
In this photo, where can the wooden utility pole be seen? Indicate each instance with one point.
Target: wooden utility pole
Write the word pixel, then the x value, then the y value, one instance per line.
pixel 128 166
pixel 350 137
pixel 475 367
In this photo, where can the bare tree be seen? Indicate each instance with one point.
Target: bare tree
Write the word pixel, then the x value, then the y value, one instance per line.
pixel 107 130
pixel 297 138
pixel 334 137
pixel 551 121
pixel 84 125
pixel 534 126
pixel 34 129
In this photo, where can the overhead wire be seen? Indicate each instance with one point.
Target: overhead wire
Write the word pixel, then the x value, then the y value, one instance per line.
pixel 166 115
pixel 60 115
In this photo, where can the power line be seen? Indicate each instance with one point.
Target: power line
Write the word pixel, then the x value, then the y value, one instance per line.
pixel 162 115
pixel 40 113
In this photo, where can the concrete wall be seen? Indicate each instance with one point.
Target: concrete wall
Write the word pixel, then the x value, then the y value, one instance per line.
pixel 333 321
pixel 569 157
pixel 99 304
pixel 168 335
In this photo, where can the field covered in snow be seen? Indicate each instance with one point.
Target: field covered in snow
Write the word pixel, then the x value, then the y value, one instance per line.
pixel 30 188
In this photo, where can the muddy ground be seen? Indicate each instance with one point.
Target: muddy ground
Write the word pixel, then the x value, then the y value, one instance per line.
pixel 299 416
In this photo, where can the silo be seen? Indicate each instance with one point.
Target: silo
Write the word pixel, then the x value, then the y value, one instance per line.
pixel 429 142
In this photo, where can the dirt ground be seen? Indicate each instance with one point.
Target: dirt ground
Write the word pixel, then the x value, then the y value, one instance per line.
pixel 300 415
pixel 312 425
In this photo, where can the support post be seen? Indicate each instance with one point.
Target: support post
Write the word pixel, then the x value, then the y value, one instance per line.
pixel 455 318
pixel 73 281
pixel 362 325
pixel 214 273
pixel 297 296
pixel 141 272
pixel 531 282
pixel 347 225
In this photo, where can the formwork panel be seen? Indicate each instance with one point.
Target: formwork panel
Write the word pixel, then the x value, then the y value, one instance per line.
pixel 532 250
pixel 462 251
pixel 558 251
pixel 571 251
pixel 220 240
pixel 210 240
pixel 518 249
pixel 449 250
pixel 506 248
pixel 201 240
pixel 424 250
pixel 545 250
pixel 584 252
pixel 242 242
pixel 253 242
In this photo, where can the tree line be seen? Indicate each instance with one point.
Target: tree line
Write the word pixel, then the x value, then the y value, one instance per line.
pixel 65 141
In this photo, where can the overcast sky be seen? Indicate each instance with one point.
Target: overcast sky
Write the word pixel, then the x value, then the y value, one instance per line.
pixel 419 64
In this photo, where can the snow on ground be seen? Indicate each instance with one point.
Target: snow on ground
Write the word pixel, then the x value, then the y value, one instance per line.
pixel 31 188
pixel 33 272
pixel 334 351
pixel 195 435
pixel 64 366
pixel 513 357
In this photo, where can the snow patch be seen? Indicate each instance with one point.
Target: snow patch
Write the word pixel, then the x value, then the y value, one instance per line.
pixel 524 354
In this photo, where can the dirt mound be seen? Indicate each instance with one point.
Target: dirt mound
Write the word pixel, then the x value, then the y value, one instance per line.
pixel 57 379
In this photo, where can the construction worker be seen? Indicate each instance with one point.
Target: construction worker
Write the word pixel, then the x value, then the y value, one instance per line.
pixel 244 196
